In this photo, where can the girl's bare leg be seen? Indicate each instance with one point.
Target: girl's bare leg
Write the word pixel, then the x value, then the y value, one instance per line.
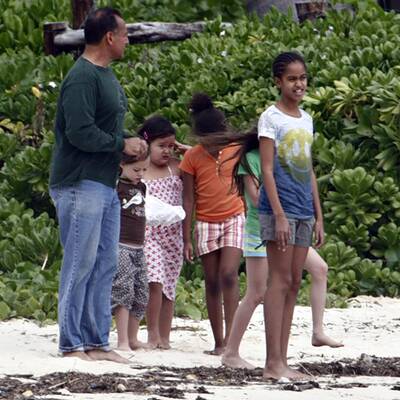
pixel 256 274
pixel 278 286
pixel 298 257
pixel 133 329
pixel 318 270
pixel 153 314
pixel 210 264
pixel 122 320
pixel 166 315
pixel 228 266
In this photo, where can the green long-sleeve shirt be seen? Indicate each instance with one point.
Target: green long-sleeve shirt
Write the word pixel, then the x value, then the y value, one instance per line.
pixel 89 126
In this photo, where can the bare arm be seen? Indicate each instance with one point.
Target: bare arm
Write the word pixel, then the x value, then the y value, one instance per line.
pixel 188 204
pixel 252 189
pixel 282 231
pixel 319 218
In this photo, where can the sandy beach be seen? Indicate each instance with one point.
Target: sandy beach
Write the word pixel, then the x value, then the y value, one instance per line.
pixel 368 327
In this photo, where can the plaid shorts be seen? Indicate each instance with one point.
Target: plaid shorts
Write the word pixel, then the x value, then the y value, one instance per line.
pixel 211 236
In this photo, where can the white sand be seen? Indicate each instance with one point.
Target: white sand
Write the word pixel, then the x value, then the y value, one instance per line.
pixel 369 325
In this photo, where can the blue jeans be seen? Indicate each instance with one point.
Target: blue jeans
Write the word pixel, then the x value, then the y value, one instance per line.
pixel 89 218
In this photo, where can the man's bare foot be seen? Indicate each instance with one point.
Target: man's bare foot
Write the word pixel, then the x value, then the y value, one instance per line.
pixel 236 362
pixel 78 354
pixel 324 340
pixel 137 344
pixel 101 355
pixel 218 351
pixel 295 374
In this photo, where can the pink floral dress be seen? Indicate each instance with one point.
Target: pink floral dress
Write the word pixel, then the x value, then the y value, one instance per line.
pixel 163 246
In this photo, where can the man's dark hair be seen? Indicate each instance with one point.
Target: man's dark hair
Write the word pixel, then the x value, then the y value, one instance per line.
pixel 99 22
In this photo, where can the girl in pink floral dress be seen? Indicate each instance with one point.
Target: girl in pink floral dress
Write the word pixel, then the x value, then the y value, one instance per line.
pixel 163 244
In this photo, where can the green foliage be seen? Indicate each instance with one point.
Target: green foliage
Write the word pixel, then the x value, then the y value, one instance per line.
pixel 190 299
pixel 30 257
pixel 176 10
pixel 354 95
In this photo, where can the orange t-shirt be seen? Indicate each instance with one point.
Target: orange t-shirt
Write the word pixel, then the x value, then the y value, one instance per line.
pixel 214 199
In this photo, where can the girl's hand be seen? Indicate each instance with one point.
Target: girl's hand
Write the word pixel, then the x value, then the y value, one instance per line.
pixel 319 233
pixel 188 252
pixel 282 232
pixel 181 148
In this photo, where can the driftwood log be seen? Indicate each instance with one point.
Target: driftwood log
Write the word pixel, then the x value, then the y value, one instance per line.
pixel 60 38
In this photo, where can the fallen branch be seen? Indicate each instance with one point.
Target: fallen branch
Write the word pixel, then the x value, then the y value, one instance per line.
pixel 59 37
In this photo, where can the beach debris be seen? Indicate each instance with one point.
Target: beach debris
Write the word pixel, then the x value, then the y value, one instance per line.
pixel 301 386
pixel 171 392
pixel 202 390
pixel 121 388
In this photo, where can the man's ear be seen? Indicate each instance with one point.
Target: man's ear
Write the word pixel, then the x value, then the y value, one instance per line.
pixel 109 37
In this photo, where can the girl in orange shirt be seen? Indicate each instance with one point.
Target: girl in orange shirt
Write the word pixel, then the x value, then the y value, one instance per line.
pixel 207 175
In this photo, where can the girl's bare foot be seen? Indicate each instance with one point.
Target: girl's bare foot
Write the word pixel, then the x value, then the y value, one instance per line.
pixel 137 344
pixel 78 354
pixel 216 352
pixel 153 340
pixel 294 374
pixel 236 362
pixel 164 345
pixel 101 355
pixel 274 371
pixel 123 347
pixel 152 345
pixel 320 339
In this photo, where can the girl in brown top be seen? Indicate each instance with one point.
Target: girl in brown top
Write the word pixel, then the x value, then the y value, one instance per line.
pixel 130 291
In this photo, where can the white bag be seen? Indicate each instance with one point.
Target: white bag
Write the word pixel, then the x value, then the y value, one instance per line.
pixel 160 213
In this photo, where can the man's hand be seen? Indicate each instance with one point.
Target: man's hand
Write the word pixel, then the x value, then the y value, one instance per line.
pixel 135 147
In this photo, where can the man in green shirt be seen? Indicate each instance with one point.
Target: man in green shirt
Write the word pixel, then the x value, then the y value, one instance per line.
pixel 84 170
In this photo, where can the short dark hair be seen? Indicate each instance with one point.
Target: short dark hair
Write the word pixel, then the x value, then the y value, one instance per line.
pixel 99 22
pixel 206 119
pixel 283 60
pixel 156 127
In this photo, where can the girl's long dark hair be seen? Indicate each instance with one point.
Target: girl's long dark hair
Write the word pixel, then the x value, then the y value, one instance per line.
pixel 248 143
pixel 245 142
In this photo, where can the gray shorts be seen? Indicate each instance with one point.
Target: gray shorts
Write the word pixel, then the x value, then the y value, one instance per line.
pixel 301 230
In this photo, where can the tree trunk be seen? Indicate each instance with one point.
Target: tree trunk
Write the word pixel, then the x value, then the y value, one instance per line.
pixel 80 10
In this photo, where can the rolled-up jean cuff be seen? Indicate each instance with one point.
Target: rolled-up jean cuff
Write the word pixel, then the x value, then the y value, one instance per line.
pixel 104 347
